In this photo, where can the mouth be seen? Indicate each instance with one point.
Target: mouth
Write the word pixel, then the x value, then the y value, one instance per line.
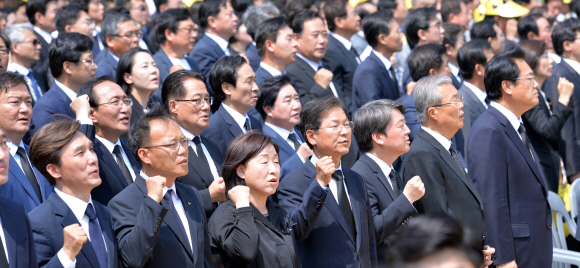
pixel 95 171
pixel 124 120
pixel 23 119
pixel 204 117
pixel 183 162
pixel 155 80
pixel 273 181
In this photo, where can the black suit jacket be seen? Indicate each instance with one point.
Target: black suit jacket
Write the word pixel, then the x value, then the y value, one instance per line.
pixel 513 191
pixel 17 234
pixel 372 82
pixel 106 63
pixel 472 109
pixel 164 64
pixel 49 219
pixel 200 177
pixel 252 54
pixel 389 212
pixel 41 66
pixel 261 75
pixel 457 83
pixel 342 63
pixel 150 235
pixel 303 74
pixel 55 101
pixel 223 129
pixel 448 189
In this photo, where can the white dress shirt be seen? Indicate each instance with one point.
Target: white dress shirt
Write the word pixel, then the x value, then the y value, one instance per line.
pixel 221 42
pixel 480 94
pixel 384 167
pixel 44 34
pixel 78 207
pixel 183 62
pixel 212 166
pixel 178 207
pixel 514 121
pixel 333 183
pixel 345 42
pixel 111 146
pixel 4 241
pixel 315 66
pixel 97 37
pixel 69 92
pixel 273 71
pixel 284 134
pixel 557 59
pixel 238 117
pixel 442 140
pixel 574 64
pixel 17 68
pixel 385 61
pixel 454 70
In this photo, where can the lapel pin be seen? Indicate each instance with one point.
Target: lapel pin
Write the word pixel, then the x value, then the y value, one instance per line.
pixel 189 203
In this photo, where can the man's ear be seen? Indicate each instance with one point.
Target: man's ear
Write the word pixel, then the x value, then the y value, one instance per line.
pixel 268 110
pixel 93 116
pixel 54 171
pixel 227 89
pixel 448 49
pixel 310 134
pixel 432 71
pixel 507 87
pixel 144 156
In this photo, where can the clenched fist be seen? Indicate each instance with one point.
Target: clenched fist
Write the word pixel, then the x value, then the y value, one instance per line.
pixel 565 89
pixel 74 238
pixel 240 196
pixel 414 189
pixel 324 169
pixel 217 190
pixel 155 186
pixel 323 77
pixel 81 107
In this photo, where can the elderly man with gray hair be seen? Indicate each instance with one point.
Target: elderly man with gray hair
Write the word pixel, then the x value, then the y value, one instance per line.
pixel 433 157
pixel 382 136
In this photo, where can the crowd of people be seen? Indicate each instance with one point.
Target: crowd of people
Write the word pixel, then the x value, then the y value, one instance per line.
pixel 285 133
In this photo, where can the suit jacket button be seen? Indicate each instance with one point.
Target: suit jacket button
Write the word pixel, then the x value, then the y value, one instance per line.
pixel 549 226
pixel 483 237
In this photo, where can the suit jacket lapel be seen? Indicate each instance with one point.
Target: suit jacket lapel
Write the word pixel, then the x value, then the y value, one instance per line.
pixel 197 167
pixel 355 204
pixel 379 172
pixel 347 54
pixel 134 164
pixel 305 67
pixel 114 168
pixel 105 223
pixel 191 213
pixel 214 152
pixel 17 172
pixel 235 129
pixel 274 214
pixel 467 92
pixel 284 146
pixel 9 229
pixel 383 70
pixel 173 222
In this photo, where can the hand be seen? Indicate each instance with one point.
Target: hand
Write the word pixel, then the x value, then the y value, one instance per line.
pixel 74 238
pixel 81 107
pixel 511 264
pixel 414 189
pixel 487 251
pixel 324 169
pixel 240 196
pixel 410 87
pixel 304 151
pixel 175 68
pixel 217 190
pixel 511 29
pixel 565 89
pixel 155 186
pixel 323 77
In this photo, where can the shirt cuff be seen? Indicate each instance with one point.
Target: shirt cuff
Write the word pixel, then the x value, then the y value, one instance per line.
pixel 84 121
pixel 65 261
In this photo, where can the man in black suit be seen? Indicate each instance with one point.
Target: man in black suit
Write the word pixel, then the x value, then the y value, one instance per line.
pixel 341 58
pixel 186 99
pixel 252 18
pixel 70 228
pixel 344 234
pixel 41 14
pixel 452 41
pixel 160 222
pixel 433 156
pixel 233 83
pixel 375 78
pixel 276 46
pixel 17 245
pixel 490 31
pixel 103 108
pixel 383 136
pixel 505 168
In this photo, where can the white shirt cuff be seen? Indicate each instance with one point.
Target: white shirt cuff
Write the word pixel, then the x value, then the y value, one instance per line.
pixel 84 121
pixel 65 261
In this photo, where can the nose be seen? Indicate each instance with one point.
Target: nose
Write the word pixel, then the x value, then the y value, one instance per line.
pixel 255 87
pixel 93 159
pixel 94 67
pixel 182 150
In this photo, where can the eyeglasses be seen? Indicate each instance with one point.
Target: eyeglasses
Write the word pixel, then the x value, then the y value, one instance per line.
pixel 174 146
pixel 529 79
pixel 456 103
pixel 140 8
pixel 188 30
pixel 198 101
pixel 337 129
pixel 131 35
pixel 118 103
pixel 34 42
pixel 437 25
pixel 92 61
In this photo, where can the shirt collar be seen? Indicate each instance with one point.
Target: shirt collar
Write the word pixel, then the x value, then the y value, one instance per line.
pixel 238 117
pixel 69 92
pixel 384 59
pixel 314 159
pixel 78 207
pixel 44 34
pixel 342 40
pixel 220 41
pixel 15 67
pixel 108 144
pixel 273 71
pixel 444 141
pixel 312 64
pixel 384 166
pixel 13 147
pixel 508 114
pixel 574 64
pixel 454 69
pixel 165 189
pixel 282 132
pixel 114 56
pixel 481 95
pixel 187 134
pixel 555 58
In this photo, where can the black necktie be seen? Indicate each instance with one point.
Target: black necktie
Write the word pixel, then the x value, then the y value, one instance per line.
pixel 394 76
pixel 169 201
pixel 200 154
pixel 293 138
pixel 487 101
pixel 27 168
pixel 394 183
pixel 96 237
pixel 356 56
pixel 522 131
pixel 343 202
pixel 247 125
pixel 3 259
pixel 121 164
pixel 456 157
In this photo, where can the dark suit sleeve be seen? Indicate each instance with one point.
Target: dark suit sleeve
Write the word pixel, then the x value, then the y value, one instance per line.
pixel 137 229
pixel 292 163
pixel 391 218
pixel 234 231
pixel 42 115
pixel 315 92
pixel 213 134
pixel 366 87
pixel 205 60
pixel 548 126
pixel 46 254
pixel 32 261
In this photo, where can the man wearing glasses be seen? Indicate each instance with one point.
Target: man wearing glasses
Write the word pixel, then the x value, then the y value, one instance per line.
pixel 434 158
pixel 105 111
pixel 160 222
pixel 119 34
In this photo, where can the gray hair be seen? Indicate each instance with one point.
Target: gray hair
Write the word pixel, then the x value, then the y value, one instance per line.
pixel 16 32
pixel 110 23
pixel 425 94
pixel 373 117
pixel 255 15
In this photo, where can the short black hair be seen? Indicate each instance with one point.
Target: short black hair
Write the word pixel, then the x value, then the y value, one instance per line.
pixel 484 30
pixel 297 24
pixel 311 114
pixel 87 89
pixel 565 31
pixel 111 20
pixel 269 90
pixel 125 65
pixel 169 19
pixel 296 6
pixel 36 6
pixel 334 9
pixel 418 19
pixel 68 15
pixel 158 3
pixel 385 5
pixel 225 70
pixel 210 8
pixel 534 50
pixel 10 80
pixel 528 24
pixel 470 55
pixel 451 33
pixel 173 86
pixel 501 68
pixel 373 117
pixel 376 24
pixel 449 7
pixel 268 30
pixel 67 47
pixel 7 42
pixel 140 131
pixel 424 58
